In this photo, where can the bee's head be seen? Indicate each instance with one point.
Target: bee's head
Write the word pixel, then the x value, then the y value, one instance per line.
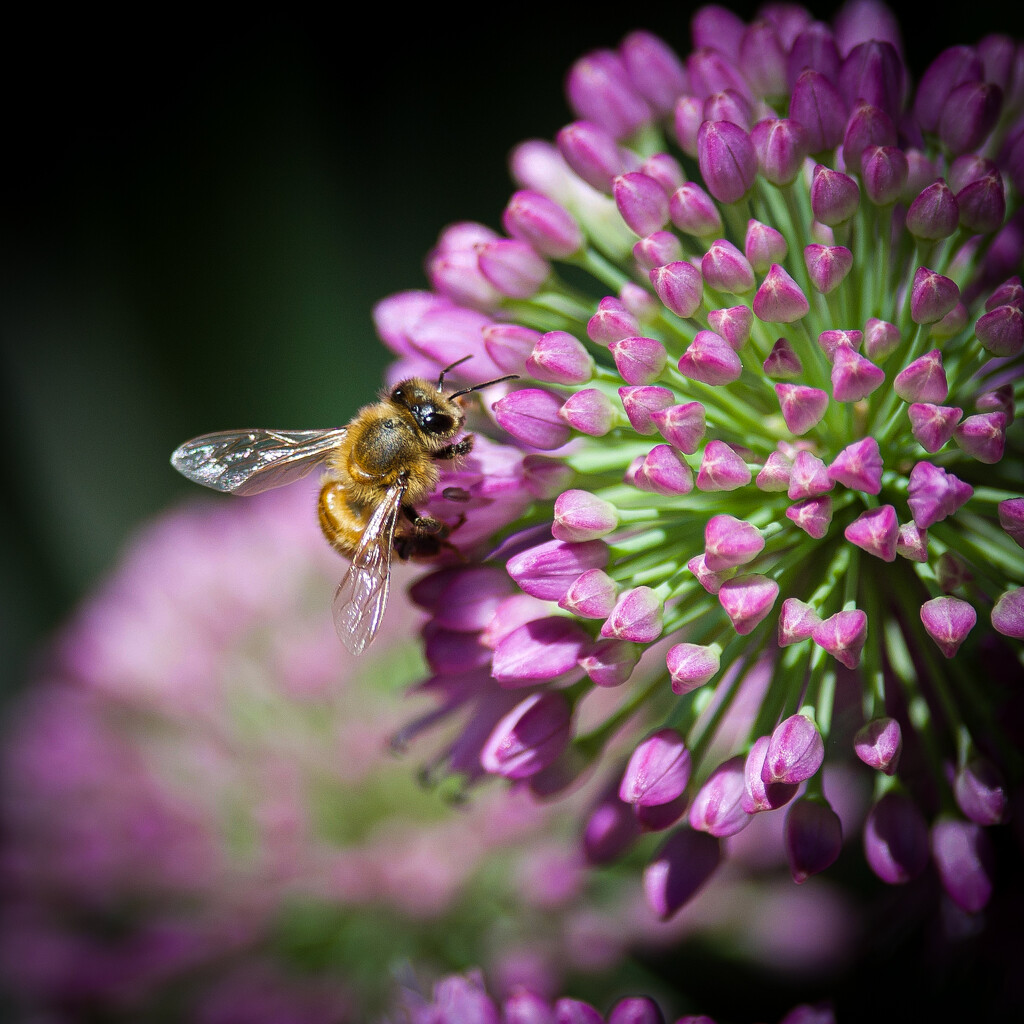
pixel 434 414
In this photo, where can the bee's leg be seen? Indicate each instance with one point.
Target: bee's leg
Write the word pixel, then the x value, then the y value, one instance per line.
pixel 454 451
pixel 424 526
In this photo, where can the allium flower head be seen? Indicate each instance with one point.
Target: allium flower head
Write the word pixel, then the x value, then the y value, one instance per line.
pixel 781 432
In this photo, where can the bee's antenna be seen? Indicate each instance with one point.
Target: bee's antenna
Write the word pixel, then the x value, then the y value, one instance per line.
pixel 451 366
pixel 486 384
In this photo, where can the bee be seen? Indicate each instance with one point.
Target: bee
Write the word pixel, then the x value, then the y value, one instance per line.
pixel 380 467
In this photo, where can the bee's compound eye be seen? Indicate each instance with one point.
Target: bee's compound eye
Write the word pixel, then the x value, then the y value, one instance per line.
pixel 437 423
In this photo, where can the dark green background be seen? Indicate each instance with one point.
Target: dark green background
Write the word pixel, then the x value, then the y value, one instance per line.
pixel 200 213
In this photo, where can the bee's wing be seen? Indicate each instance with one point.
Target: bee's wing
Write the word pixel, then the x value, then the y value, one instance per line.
pixel 250 461
pixel 362 595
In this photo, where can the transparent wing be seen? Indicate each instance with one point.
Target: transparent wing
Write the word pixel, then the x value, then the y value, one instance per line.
pixel 362 595
pixel 250 461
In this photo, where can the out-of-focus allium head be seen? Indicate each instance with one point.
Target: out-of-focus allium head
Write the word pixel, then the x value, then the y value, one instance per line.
pixel 775 438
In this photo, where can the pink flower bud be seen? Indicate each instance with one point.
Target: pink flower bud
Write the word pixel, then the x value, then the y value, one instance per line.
pixel 710 581
pixel 641 201
pixel 685 861
pixel 763 246
pixel 859 466
pixel 879 743
pixel 531 416
pixel 758 795
pixel 954 66
pixel 538 650
pixel 776 472
pixel 547 570
pixel 827 266
pixel 639 360
pixel 794 753
pixel 1011 519
pixel 559 358
pixel 982 204
pixel 781 145
pixel 610 830
pixel 683 426
pixel 730 542
pixel 779 300
pixel 691 665
pixel 747 600
pixel 885 173
pixel 728 163
pixel 658 770
pixel 814 837
pixel 512 267
pixel 802 406
pixel 933 425
pixel 763 58
pixel 933 494
pixel 592 152
pixel 873 69
pixel 657 249
pixel 694 212
pixel 964 859
pixel 1009 293
pixel 875 531
pixel 843 636
pixel 1001 331
pixel 934 213
pixel 896 839
pixel 687 117
pixel 818 105
pixel 808 478
pixel 726 269
pixel 1008 613
pixel 599 89
pixel 812 515
pixel 969 114
pixel 721 469
pixel 529 738
pixel 664 471
pixel 881 339
pixel 641 402
pixel 924 380
pixel 637 617
pixel 609 662
pixel 912 543
pixel 868 126
pixel 830 340
pixel 654 69
pixel 710 359
pixel 591 595
pixel 590 412
pixel 679 286
pixel 854 376
pixel 983 436
pixel 580 515
pixel 783 363
pixel 947 621
pixel 981 791
pixel 796 622
pixel 611 321
pixel 932 296
pixel 509 346
pixel 539 221
pixel 717 807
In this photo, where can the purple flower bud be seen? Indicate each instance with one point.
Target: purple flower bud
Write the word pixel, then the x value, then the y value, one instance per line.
pixel 809 477
pixel 728 105
pixel 710 359
pixel 600 89
pixel 691 665
pixel 654 69
pixel 592 152
pixel 721 469
pixel 559 358
pixel 657 249
pixel 610 830
pixel 711 70
pixel 968 116
pixel 539 221
pixel 1011 519
pixel 779 300
pixel 881 339
pixel 726 269
pixel 947 621
pixel 781 146
pixel 1008 613
pixel 827 265
pixel 687 117
pixel 924 380
pixel 933 494
pixel 872 72
pixel 796 623
pixel 747 600
pixel 590 412
pixel 854 376
pixel 867 127
pixel 658 770
pixel 830 340
pixel 580 515
pixel 951 572
pixel 683 426
pixel 531 416
pixel 1009 293
pixel 663 471
pixel 775 474
pixel 963 856
pixel 935 213
pixel 729 542
pixel 591 595
pixel 981 792
pixel 783 363
pixel 818 105
pixel 802 406
pixel 758 795
pixel 982 204
pixel 952 67
pixel 547 570
pixel 933 425
pixel 642 202
pixel 879 743
pixel 694 212
pixel 639 360
pixel 710 581
pixel 932 296
pixel 679 286
pixel 982 436
pixel 637 617
pixel 727 160
pixel 763 246
pixel 641 402
pixel 718 28
pixel 912 543
pixel 1001 331
pixel 611 322
pixel 512 267
pixel 813 47
pixel 538 650
pixel 685 861
pixel 794 753
pixel 636 1010
pixel 814 837
pixel 875 531
pixel 717 807
pixel 812 515
pixel 529 738
pixel 896 839
pixel 509 346
pixel 609 662
pixel 843 636
pixel 859 466
pixel 885 171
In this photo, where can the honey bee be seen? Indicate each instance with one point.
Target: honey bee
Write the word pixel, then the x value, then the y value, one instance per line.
pixel 380 467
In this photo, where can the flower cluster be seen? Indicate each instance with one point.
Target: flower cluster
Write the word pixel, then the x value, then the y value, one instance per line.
pixel 765 305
